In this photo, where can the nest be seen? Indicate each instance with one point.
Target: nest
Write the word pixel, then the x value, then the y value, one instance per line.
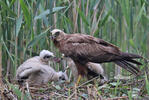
pixel 112 90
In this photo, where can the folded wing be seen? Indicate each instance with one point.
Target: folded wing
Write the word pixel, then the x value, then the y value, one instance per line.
pixel 85 48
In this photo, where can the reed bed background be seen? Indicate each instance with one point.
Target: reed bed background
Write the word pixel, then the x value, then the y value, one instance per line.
pixel 24 25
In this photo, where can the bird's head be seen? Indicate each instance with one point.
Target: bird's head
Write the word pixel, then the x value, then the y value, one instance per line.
pixel 46 55
pixel 57 34
pixel 63 76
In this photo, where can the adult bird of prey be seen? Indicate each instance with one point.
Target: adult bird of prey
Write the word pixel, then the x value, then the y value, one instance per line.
pixel 94 70
pixel 37 70
pixel 83 48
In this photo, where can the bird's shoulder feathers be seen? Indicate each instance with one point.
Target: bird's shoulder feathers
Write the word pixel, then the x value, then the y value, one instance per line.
pixel 86 45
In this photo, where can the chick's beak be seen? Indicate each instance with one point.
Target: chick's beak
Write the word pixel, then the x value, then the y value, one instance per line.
pixel 51 37
pixel 53 57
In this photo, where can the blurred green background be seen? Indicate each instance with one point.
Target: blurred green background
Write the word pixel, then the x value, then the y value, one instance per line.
pixel 24 25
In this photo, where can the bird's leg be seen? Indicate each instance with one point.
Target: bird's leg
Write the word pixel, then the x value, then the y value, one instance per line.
pixel 78 80
pixel 76 84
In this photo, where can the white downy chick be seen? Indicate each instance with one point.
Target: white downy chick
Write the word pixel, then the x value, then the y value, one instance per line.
pixel 38 71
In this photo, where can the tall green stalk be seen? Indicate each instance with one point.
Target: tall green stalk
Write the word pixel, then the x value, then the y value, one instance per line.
pixel 121 22
pixel 0 64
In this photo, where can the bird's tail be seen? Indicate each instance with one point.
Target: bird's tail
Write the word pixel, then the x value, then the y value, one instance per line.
pixel 127 61
pixel 130 55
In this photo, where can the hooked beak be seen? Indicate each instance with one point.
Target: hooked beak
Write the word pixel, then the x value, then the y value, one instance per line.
pixel 57 60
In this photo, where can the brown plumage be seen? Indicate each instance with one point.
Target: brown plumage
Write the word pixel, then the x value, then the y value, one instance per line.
pixel 94 70
pixel 83 48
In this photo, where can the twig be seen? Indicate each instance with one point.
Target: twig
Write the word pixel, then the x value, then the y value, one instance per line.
pixel 27 86
pixel 117 98
pixel 98 93
pixel 23 90
pixel 82 96
pixel 76 96
pixel 87 81
pixel 61 95
pixel 142 88
pixel 70 96
pixel 9 94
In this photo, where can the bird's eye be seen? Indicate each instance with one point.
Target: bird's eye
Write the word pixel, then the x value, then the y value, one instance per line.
pixel 57 33
pixel 47 56
pixel 62 78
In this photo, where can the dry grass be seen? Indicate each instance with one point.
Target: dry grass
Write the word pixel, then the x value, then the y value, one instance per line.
pixel 24 25
pixel 113 90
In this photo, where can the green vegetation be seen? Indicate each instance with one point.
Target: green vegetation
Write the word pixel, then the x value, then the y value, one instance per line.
pixel 24 25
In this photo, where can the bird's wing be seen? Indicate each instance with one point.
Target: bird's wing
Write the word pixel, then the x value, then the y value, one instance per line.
pixel 89 49
pixel 26 70
pixel 85 48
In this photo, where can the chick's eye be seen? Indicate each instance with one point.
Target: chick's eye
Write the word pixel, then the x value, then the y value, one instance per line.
pixel 57 33
pixel 46 57
pixel 62 78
